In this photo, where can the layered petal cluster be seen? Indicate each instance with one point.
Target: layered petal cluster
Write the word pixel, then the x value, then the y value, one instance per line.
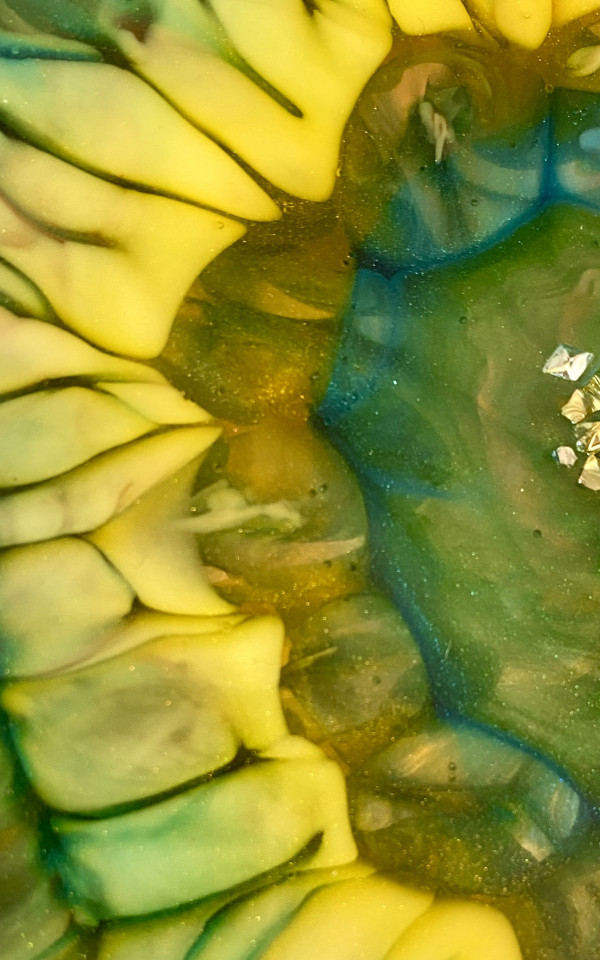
pixel 525 23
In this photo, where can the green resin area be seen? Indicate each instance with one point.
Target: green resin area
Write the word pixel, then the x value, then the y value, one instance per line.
pixel 490 547
pixel 465 812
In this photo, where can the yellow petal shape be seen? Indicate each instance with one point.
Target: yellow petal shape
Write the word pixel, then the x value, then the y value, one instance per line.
pixel 524 22
pixel 144 626
pixel 584 62
pixel 262 915
pixel 353 920
pixel 162 936
pixel 18 293
pixel 33 351
pixel 449 931
pixel 114 263
pixel 60 105
pixel 243 823
pixel 85 498
pixel 46 618
pixel 155 718
pixel 48 432
pixel 159 402
pixel 158 559
pixel 319 63
pixel 484 10
pixel 429 16
pixel 563 11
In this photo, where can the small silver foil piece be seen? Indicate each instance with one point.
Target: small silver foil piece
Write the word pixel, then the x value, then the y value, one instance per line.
pixel 567 363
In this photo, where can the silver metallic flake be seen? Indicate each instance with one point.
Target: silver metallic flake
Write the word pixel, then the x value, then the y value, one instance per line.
pixel 568 363
pixel 565 456
pixel 590 475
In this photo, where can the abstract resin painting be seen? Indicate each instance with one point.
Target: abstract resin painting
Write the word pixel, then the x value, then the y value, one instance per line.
pixel 300 470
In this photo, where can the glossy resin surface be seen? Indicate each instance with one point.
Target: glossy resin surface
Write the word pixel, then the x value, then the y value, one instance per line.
pixel 299 480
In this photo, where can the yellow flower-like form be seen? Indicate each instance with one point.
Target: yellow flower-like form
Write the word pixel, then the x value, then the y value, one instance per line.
pixel 522 22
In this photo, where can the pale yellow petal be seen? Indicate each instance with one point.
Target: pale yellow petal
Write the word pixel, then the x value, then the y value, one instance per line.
pixel 18 293
pixel 563 11
pixel 48 432
pixel 46 618
pixel 114 263
pixel 33 351
pixel 104 750
pixel 319 63
pixel 354 920
pixel 159 402
pixel 430 16
pixel 524 22
pixel 484 11
pixel 60 105
pixel 584 62
pixel 85 498
pixel 158 559
pixel 244 823
pixel 452 930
